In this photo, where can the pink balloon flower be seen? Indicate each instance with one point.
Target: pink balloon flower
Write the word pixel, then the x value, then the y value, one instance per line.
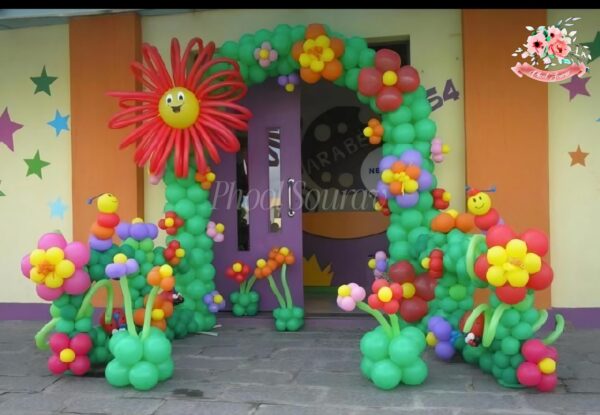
pixel 69 354
pixel 539 368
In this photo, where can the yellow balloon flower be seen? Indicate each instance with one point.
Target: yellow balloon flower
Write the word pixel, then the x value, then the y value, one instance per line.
pixel 496 255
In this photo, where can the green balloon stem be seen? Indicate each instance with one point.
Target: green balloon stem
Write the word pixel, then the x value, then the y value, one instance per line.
pixel 276 291
pixel 491 325
pixel 286 288
pixel 474 315
pixel 378 316
pixel 470 257
pixel 395 325
pixel 242 287
pixel 540 321
pixel 128 307
pixel 510 385
pixel 558 330
pixel 249 284
pixel 110 296
pixel 148 312
pixel 40 337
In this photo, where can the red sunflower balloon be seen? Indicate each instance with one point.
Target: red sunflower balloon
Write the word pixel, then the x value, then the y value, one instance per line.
pixel 191 109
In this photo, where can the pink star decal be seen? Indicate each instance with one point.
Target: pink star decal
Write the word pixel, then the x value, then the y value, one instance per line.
pixel 7 129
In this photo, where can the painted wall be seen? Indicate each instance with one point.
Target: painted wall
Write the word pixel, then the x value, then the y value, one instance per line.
pixel 575 190
pixel 436 53
pixel 25 209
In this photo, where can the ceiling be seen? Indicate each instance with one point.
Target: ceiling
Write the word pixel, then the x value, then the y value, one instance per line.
pixel 18 18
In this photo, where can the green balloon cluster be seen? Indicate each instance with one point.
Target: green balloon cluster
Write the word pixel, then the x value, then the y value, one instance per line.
pixel 100 353
pixel 288 319
pixel 389 362
pixel 64 312
pixel 141 363
pixel 244 304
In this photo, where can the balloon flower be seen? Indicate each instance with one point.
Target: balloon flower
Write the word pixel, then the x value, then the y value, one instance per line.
pixel 442 337
pixel 174 252
pixel 214 301
pixel 161 277
pixel 441 198
pixel 379 264
pixel 56 267
pixel 206 179
pixel 265 55
pixel 121 267
pixel 416 291
pixel 69 353
pixel 183 111
pixel 434 263
pixel 137 230
pixel 403 178
pixel 171 222
pixel 245 301
pixel 162 309
pixel 438 149
pixel 288 82
pixel 215 231
pixel 539 368
pixel 318 55
pixel 349 295
pixel 374 131
pixel 381 205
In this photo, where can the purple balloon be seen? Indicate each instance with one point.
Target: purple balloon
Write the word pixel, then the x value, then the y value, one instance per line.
pixel 152 230
pixel 208 298
pixel 425 180
pixel 282 80
pixel 386 163
pixel 442 330
pixel 115 271
pixel 131 266
pixel 138 231
pixel 213 308
pixel 380 255
pixel 293 78
pixel 383 190
pixel 381 265
pixel 123 230
pixel 407 200
pixel 433 321
pixel 100 244
pixel 411 157
pixel 444 350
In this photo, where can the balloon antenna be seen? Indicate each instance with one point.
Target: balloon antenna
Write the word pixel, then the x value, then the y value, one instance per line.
pixel 91 199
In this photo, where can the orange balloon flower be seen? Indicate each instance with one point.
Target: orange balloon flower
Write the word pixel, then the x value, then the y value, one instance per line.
pixel 318 55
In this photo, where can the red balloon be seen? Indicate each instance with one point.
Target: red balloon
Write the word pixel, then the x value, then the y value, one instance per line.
pixel 108 220
pixel 402 272
pixel 245 269
pixel 374 302
pixel 81 344
pixel 537 241
pixel 408 78
pixel 396 290
pixel 481 267
pixel 80 365
pixel 413 310
pixel 425 287
pixel 529 374
pixel 511 295
pixel 391 307
pixel 389 99
pixel 387 60
pixel 230 272
pixel 485 222
pixel 369 82
pixel 547 383
pixel 499 235
pixel 541 279
pixel 478 324
pixel 377 284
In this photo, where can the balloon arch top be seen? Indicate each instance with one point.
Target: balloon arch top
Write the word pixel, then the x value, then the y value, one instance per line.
pixel 423 287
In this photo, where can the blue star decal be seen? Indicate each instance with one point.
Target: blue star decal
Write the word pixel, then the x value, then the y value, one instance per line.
pixel 57 208
pixel 59 123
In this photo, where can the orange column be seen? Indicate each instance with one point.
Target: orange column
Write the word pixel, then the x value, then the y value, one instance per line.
pixel 506 119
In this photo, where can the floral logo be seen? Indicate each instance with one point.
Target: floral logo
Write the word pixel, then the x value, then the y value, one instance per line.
pixel 552 46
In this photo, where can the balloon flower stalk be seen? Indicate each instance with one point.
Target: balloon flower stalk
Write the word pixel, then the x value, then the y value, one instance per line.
pixel 245 300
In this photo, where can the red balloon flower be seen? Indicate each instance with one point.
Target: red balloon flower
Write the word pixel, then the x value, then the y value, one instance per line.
pixel 385 296
pixel 238 271
pixel 416 291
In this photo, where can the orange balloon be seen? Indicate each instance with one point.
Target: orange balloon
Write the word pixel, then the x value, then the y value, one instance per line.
pixel 266 271
pixel 337 45
pixel 465 222
pixel 309 76
pixel 101 232
pixel 442 223
pixel 167 284
pixel 290 259
pixel 413 172
pixel 314 30
pixel 279 258
pixel 167 307
pixel 258 273
pixel 159 324
pixel 138 317
pixel 271 263
pixel 297 50
pixel 373 122
pixel 378 130
pixel 153 278
pixel 332 70
pixel 395 188
pixel 398 167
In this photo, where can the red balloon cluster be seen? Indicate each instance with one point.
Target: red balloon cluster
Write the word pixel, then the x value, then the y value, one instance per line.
pixel 238 271
pixel 389 304
pixel 170 223
pixel 439 202
pixel 436 263
pixel 387 81
pixel 171 253
pixel 383 206
pixel 537 243
pixel 417 291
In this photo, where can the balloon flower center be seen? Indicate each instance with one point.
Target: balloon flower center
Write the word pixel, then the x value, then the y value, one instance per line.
pixel 385 294
pixel 179 108
pixel 218 299
pixel 169 222
pixel 390 78
pixel 67 355
pixel 344 290
pixel 431 339
pixel 158 314
pixel 264 53
pixel 547 365
pixel 408 290
pixel 45 268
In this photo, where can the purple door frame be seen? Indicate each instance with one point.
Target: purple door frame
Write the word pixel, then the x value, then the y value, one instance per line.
pixel 272 107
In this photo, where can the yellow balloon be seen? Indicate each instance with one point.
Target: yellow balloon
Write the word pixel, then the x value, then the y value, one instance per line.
pixel 263 54
pixel 158 314
pixel 219 227
pixel 390 78
pixel 67 355
pixel 518 277
pixel 496 255
pixel 452 212
pixel 408 290
pixel 179 108
pixel 547 366
pixel 37 256
pixel 344 290
pixel 165 271
pixel 120 259
pixel 218 299
pixel 387 176
pixel 411 186
pixel 431 339
pixel 495 276
pixel 516 248
pixel 532 263
pixel 211 176
pixel 290 87
pixel 54 255
pixel 446 196
pixel 308 45
pixel 261 263
pixel 53 281
pixel 327 55
pixel 305 60
pixel 137 220
pixel 322 41
pixel 237 267
pixel 107 203
pixel 368 132
pixel 385 294
pixel 169 222
pixel 35 276
pixel 317 66
pixel 425 262
pixel 284 250
pixel 64 269
pixel 372 263
pixel 180 252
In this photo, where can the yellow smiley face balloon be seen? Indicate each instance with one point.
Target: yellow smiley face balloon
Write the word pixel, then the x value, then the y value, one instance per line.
pixel 108 203
pixel 179 108
pixel 479 204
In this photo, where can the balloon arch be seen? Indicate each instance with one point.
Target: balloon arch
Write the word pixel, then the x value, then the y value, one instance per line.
pixel 423 288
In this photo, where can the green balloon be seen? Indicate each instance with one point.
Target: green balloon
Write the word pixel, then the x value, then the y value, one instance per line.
pixel 83 325
pixel 65 326
pixel 350 58
pixel 185 208
pixel 147 245
pixel 396 233
pixel 425 130
pixel 117 374
pixel 516 360
pixel 411 218
pixel 282 42
pixel 415 234
pixel 196 194
pixel 205 209
pixel 234 297
pixel 297 312
pixel 175 193
pixel 402 351
pixel 128 350
pixel 509 376
pixel 400 116
pixel 246 53
pixel 356 42
pixel 294 324
pixel 425 201
pixel 284 67
pixel 366 58
pixel 244 300
pixel 196 225
pixel 522 331
pixel 68 312
pixel 501 360
pixel 417 337
pixel 471 354
pixel 400 250
pixel 448 305
pixel 298 32
pixel 420 109
pixel 458 292
pixel 283 28
pixel 403 133
pixel 510 346
pixel 363 99
pixel 195 290
pixel 510 318
pixel 252 309
pixel 157 349
pixel 280 325
pixel 366 366
pixel 416 373
pixel 165 369
pixel 262 35
pixel 374 344
pixel 486 362
pixel 187 240
pixel 244 72
pixel 247 38
pixel 530 316
pixel 502 332
pixel 229 49
pixel 386 375
pixel 526 304
pixel 238 310
pixel 143 376
pixel 254 297
pixel 207 272
pixel 257 74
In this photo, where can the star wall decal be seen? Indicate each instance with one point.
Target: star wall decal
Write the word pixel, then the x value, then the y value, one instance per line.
pixel 578 156
pixel 576 86
pixel 594 47
pixel 35 165
pixel 57 208
pixel 43 82
pixel 59 123
pixel 7 129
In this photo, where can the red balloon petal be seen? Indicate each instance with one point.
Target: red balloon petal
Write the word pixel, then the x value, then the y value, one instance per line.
pixel 402 272
pixel 389 99
pixel 511 295
pixel 481 267
pixel 391 307
pixel 413 310
pixel 369 81
pixel 396 290
pixel 408 78
pixel 537 241
pixel 387 60
pixel 499 235
pixel 488 220
pixel 541 279
pixel 425 287
pixel 374 302
pixel 378 283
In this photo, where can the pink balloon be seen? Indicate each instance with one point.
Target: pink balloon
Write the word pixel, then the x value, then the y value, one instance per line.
pixel 81 344
pixel 25 265
pixel 552 353
pixel 536 241
pixel 80 365
pixel 548 383
pixel 357 292
pixel 499 235
pixel 211 232
pixel 369 81
pixel 58 342
pixel 389 99
pixel 56 366
pixel 529 374
pixel 52 239
pixel 346 303
pixel 219 237
pixel 408 78
pixel 387 60
pixel 534 350
pixel 48 294
pixel 78 253
pixel 78 283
